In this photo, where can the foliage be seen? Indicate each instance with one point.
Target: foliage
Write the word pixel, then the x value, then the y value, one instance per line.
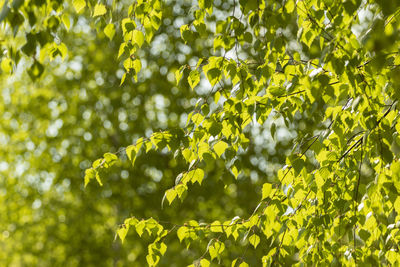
pixel 238 133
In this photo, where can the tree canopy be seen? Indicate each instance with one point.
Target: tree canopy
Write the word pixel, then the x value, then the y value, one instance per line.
pixel 207 133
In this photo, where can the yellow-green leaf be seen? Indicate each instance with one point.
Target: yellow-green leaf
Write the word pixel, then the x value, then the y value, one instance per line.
pixel 178 74
pixel 89 175
pixel 220 147
pixel 79 5
pixel 276 90
pixel 99 10
pixel 241 263
pixel 397 204
pixel 109 31
pixel 138 37
pixel 290 4
pixel 122 233
pixel 98 179
pixel 196 175
pixel 216 249
pixel 204 263
pixel 182 233
pixel 197 118
pixel 194 78
pixel 266 190
pixel 254 240
pixel 66 21
pixel 6 65
pixel 131 153
pixel 319 180
pixel 170 194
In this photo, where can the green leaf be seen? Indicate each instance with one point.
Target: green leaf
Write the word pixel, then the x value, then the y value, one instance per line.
pixel 149 145
pixel 138 38
pixel 196 175
pixel 201 28
pixel 254 240
pixel 79 5
pixel 397 204
pixel 266 190
pixel 395 167
pixel 204 263
pixel 6 65
pixel 248 37
pixel 216 249
pixel 58 50
pixel 66 21
pixel 170 194
pixel 319 179
pixel 163 248
pixel 242 263
pixel 131 153
pixel 398 127
pixel 216 227
pixel 140 227
pixel 235 171
pixel 273 130
pixel 179 74
pixel 220 147
pixel 137 65
pixel 89 175
pixel 180 189
pixel 63 50
pixel 122 231
pixel 109 31
pixel 99 10
pixel 110 159
pixel 98 179
pixel 297 164
pixel 197 118
pixel 152 259
pixel 128 25
pixel 186 34
pixel 182 233
pixel 194 78
pixel 290 5
pixel 276 90
pixel 213 75
pixel 203 4
pixel 123 79
pixel 36 70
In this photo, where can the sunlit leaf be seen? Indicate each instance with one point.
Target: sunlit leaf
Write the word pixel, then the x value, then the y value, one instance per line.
pixel 99 10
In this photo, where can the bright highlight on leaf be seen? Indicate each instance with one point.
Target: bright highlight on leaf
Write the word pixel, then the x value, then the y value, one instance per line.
pixel 79 5
pixel 204 263
pixel 170 195
pixel 131 152
pixel 6 65
pixel 109 31
pixel 122 233
pixel 138 37
pixel 266 190
pixel 220 147
pixel 66 21
pixel 254 240
pixel 182 233
pixel 397 204
pixel 216 249
pixel 194 78
pixel 99 10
